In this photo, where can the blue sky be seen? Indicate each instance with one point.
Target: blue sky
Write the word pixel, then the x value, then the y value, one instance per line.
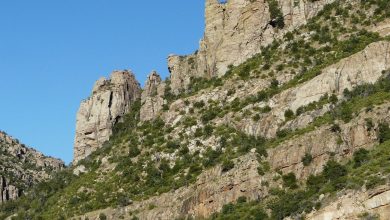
pixel 52 51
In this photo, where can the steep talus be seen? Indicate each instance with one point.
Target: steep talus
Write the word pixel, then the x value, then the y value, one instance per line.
pixel 110 100
pixel 21 167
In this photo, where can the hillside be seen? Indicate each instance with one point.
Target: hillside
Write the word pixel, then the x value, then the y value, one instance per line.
pixel 282 113
pixel 22 167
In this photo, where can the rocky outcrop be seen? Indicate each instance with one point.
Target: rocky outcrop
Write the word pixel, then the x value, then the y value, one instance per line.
pixel 364 67
pixel 372 204
pixel 323 144
pixel 110 100
pixel 152 97
pixel 21 167
pixel 234 32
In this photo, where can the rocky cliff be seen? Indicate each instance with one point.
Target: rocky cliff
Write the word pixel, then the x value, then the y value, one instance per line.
pixel 21 167
pixel 235 31
pixel 110 100
pixel 152 98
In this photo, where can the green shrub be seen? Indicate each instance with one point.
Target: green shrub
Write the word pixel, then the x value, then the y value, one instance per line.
pixel 199 104
pixel 374 181
pixel 307 159
pixel 290 181
pixel 256 117
pixel 266 109
pixel 277 19
pixel 241 199
pixel 134 151
pixel 289 114
pixel 334 170
pixel 369 124
pixel 282 133
pixel 227 165
pixel 335 128
pixel 228 208
pixel 333 99
pixel 210 114
pixel 102 216
pixel 384 132
pixel 360 157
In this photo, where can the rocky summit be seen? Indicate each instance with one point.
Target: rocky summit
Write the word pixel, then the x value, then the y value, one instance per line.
pixel 282 113
pixel 110 100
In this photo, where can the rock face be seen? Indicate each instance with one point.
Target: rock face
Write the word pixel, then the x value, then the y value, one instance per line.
pixel 215 188
pixel 211 191
pixel 374 203
pixel 110 100
pixel 360 68
pixel 152 97
pixel 235 31
pixel 21 167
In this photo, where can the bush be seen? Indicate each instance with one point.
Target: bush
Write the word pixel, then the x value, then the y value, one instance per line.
pixel 369 124
pixel 102 216
pixel 289 114
pixel 266 109
pixel 345 112
pixel 209 115
pixel 335 128
pixel 274 84
pixel 334 170
pixel 384 132
pixel 307 159
pixel 282 133
pixel 134 151
pixel 290 181
pixel 228 208
pixel 227 165
pixel 315 182
pixel 210 157
pixel 277 19
pixel 241 199
pixel 360 157
pixel 333 99
pixel 199 104
pixel 256 117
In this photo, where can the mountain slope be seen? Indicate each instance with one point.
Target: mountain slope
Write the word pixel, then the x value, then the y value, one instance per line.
pixel 298 127
pixel 21 167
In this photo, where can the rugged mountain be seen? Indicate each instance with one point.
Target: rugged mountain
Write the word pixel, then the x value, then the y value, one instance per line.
pixel 283 113
pixel 235 31
pixel 21 167
pixel 110 100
